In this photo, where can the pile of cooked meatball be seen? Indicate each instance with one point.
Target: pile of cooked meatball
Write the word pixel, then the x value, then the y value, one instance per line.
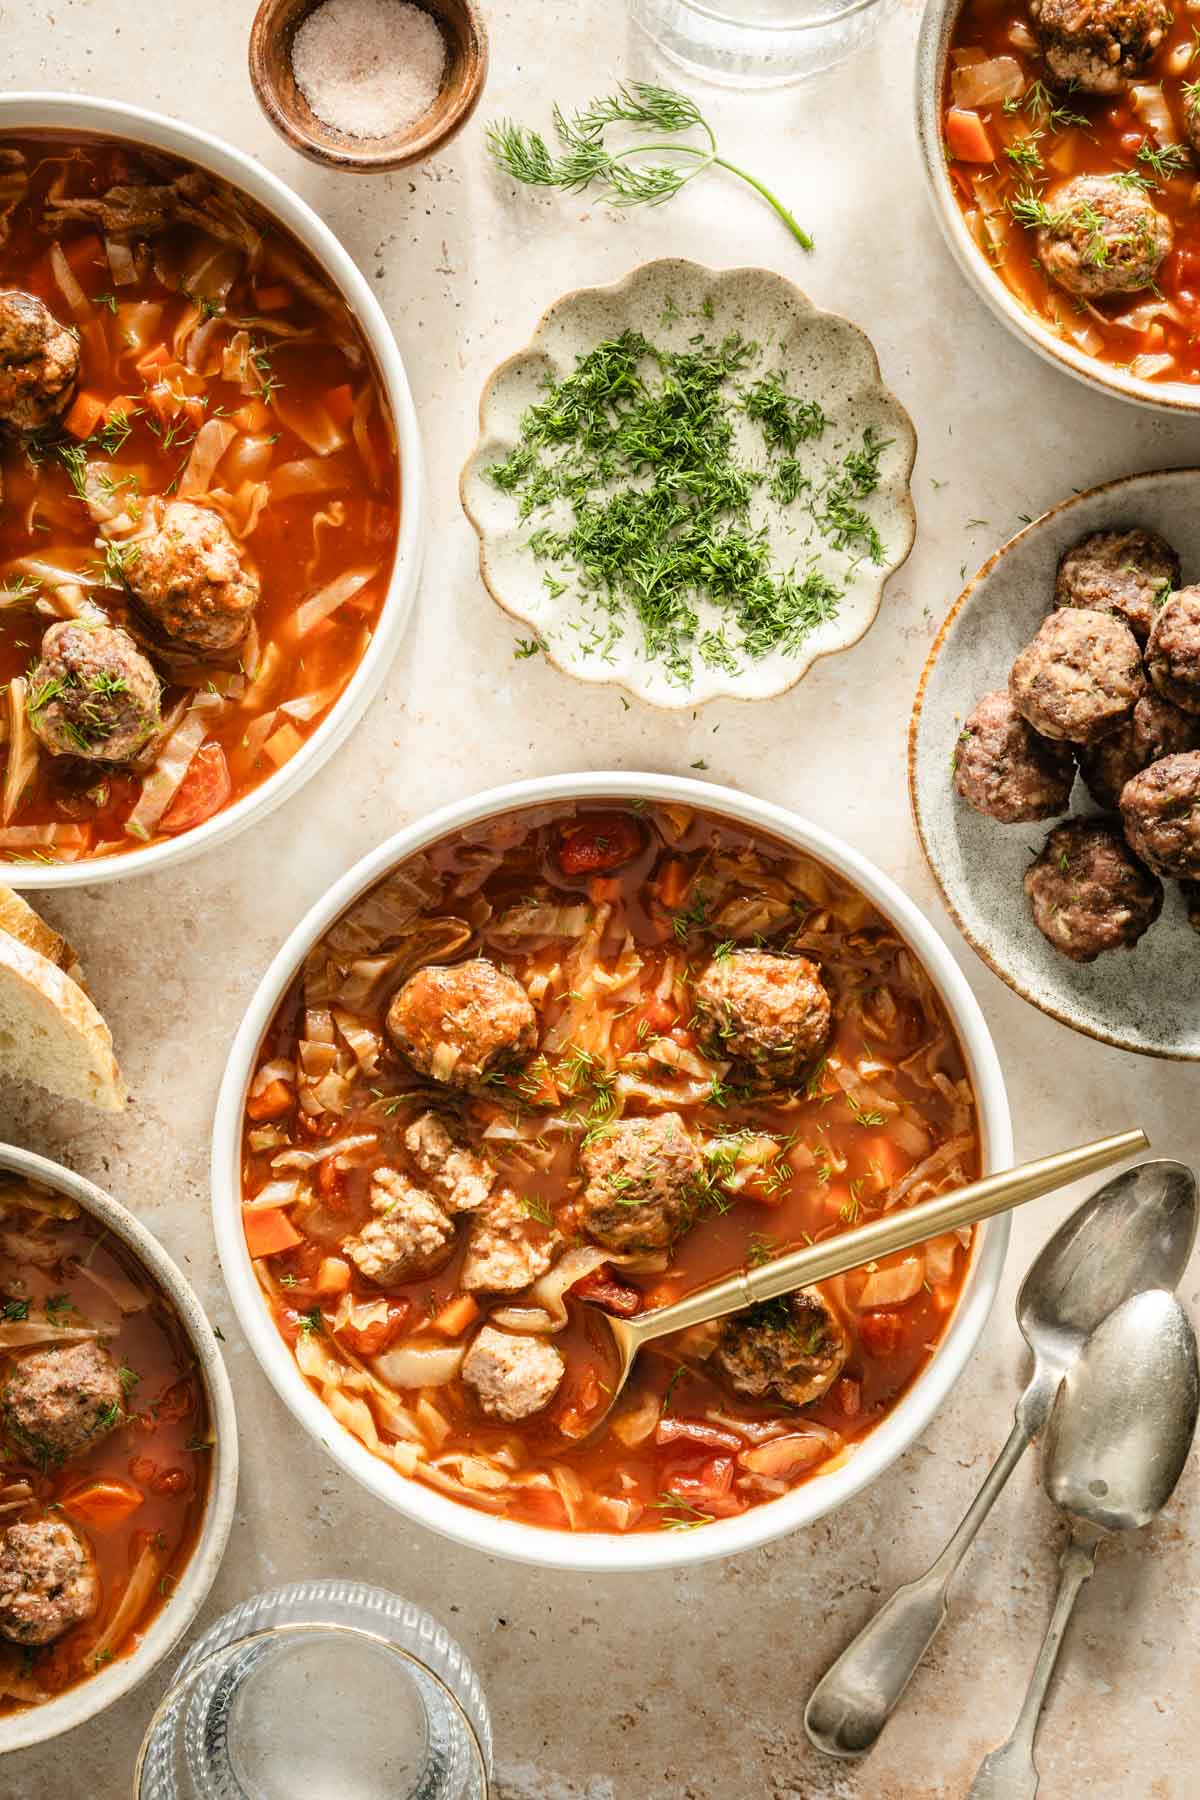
pixel 1101 236
pixel 54 1405
pixel 1109 688
pixel 95 692
pixel 464 1025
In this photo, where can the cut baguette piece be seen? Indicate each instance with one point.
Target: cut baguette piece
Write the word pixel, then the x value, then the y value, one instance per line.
pixel 18 918
pixel 51 1033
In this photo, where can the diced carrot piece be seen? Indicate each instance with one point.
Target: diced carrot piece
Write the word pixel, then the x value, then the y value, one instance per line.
pixel 456 1315
pixel 886 1162
pixel 275 298
pixel 103 1504
pixel 880 1333
pixel 333 1275
pixel 339 404
pixel 536 1085
pixel 268 1233
pixel 604 889
pixel 203 791
pixel 275 1098
pixel 87 411
pixel 331 1181
pixel 967 137
pixel 673 882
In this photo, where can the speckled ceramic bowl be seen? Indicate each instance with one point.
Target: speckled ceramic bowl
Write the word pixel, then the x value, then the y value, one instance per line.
pixel 34 1724
pixel 933 47
pixel 826 358
pixel 1139 999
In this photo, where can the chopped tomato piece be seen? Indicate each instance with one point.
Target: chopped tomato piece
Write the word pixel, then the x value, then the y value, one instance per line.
pixel 202 792
pixel 967 137
pixel 880 1333
pixel 599 842
pixel 696 1431
pixel 275 1098
pixel 171 1481
pixel 601 1288
pixel 710 1490
pixel 103 1504
pixel 269 1233
pixel 143 1468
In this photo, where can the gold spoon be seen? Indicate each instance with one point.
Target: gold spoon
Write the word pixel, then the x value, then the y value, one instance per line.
pixel 899 1230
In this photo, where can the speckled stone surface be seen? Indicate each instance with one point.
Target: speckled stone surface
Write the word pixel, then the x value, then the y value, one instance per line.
pixel 673 1687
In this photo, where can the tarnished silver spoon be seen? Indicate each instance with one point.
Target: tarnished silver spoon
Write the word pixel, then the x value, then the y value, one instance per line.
pixel 1134 1233
pixel 1115 1446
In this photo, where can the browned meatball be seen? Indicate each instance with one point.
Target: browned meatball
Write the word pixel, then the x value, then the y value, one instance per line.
pixel 1156 729
pixel 56 1402
pixel 792 1349
pixel 769 1011
pixel 39 363
pixel 1161 810
pixel 1173 653
pixel 1098 45
pixel 1101 237
pixel 1080 678
pixel 189 580
pixel 1005 770
pixel 643 1177
pixel 1126 573
pixel 93 694
pixel 1088 893
pixel 48 1581
pixel 462 1023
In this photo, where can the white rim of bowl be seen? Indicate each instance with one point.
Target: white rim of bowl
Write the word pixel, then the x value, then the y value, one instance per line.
pixel 21 1730
pixel 52 111
pixel 595 1551
pixel 937 24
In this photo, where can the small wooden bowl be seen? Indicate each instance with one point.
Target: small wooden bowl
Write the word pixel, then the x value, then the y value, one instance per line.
pixel 274 81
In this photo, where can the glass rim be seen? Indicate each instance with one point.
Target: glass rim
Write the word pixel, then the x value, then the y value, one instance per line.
pixel 716 14
pixel 299 1628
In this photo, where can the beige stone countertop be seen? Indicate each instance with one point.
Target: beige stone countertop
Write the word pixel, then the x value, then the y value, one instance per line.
pixel 679 1686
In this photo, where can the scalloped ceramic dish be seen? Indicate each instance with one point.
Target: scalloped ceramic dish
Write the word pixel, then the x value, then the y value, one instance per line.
pixel 825 357
pixel 1140 1000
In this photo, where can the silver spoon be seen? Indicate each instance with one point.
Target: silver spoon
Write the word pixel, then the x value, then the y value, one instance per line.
pixel 1115 1446
pixel 1134 1233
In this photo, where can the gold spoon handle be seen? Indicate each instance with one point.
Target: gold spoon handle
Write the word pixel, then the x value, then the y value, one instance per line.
pixel 896 1231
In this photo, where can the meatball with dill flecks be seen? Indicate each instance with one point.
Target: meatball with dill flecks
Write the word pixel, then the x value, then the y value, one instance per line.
pixel 189 581
pixel 1088 893
pixel 1079 678
pixel 39 363
pixel 1161 811
pixel 1097 46
pixel 1173 653
pixel 463 1022
pixel 791 1349
pixel 1126 573
pixel 92 693
pixel 764 1010
pixel 643 1181
pixel 48 1581
pixel 57 1402
pixel 1098 236
pixel 1006 771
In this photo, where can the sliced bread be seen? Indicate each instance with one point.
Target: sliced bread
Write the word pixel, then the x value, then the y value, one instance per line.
pixel 50 1032
pixel 18 918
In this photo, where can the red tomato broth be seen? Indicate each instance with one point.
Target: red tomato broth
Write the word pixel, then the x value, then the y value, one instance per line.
pixel 164 402
pixel 160 1453
pixel 1075 133
pixel 650 1482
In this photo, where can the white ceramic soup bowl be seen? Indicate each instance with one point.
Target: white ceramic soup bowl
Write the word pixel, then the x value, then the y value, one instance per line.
pixel 933 48
pixel 24 112
pixel 76 1704
pixel 594 1550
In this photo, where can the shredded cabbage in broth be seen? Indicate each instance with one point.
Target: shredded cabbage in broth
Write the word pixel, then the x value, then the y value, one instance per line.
pixel 427 1239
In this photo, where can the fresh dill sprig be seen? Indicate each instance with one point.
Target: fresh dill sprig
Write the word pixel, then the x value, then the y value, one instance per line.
pixel 639 173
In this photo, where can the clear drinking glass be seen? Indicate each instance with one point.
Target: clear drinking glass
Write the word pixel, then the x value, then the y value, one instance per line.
pixel 329 1689
pixel 758 43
